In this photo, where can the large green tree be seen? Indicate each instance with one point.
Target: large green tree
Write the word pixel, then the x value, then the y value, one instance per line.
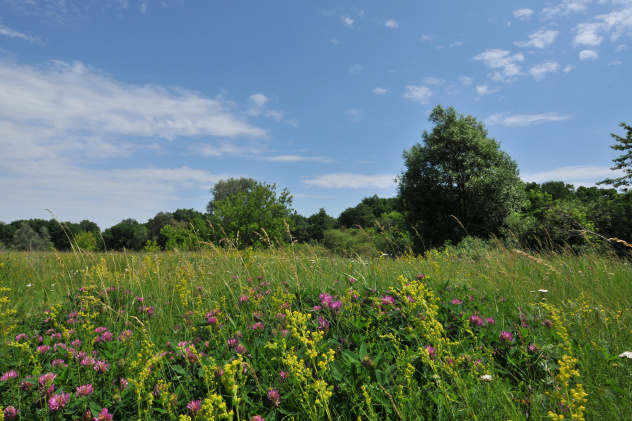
pixel 231 186
pixel 254 215
pixel 623 162
pixel 457 181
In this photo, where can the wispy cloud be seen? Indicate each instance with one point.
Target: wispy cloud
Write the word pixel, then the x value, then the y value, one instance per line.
pixel 588 55
pixel 504 61
pixel 566 7
pixel 540 70
pixel 523 14
pixel 418 93
pixel 539 39
pixel 355 113
pixel 520 120
pixel 352 180
pixel 67 116
pixel 356 69
pixel 579 175
pixel 347 21
pixel 433 81
pixel 297 158
pixel 484 89
pixel 465 80
pixel 391 23
pixel 380 91
pixel 15 34
pixel 71 98
pixel 588 34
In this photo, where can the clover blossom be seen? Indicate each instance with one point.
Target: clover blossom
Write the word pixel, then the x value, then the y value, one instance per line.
pixel 10 412
pixel 58 402
pixel 11 374
pixel 84 390
pixel 505 336
pixel 104 415
pixel 274 397
pixel 194 406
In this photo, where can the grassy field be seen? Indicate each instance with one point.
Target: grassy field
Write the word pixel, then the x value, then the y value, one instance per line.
pixel 296 333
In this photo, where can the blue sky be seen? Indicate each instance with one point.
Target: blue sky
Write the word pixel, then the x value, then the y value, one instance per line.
pixel 121 109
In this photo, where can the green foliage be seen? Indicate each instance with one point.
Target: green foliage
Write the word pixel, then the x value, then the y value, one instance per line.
pixel 623 162
pixel 255 216
pixel 26 239
pixel 224 188
pixel 86 241
pixel 458 182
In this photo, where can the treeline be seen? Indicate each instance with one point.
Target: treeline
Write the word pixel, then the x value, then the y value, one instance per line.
pixel 457 184
pixel 554 215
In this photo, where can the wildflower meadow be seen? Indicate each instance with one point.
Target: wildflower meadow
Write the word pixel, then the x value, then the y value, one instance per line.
pixel 295 333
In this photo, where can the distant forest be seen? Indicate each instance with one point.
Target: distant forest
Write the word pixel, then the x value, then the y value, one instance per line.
pixel 554 215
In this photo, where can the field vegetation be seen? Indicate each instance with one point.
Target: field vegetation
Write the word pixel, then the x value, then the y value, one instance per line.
pixel 477 331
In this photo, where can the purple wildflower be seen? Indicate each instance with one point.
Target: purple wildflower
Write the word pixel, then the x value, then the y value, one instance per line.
pixel 476 320
pixel 11 374
pixel 243 298
pixel 100 366
pixel 84 390
pixel 104 415
pixel 490 320
pixel 257 418
pixel 432 352
pixel 58 402
pixel 505 336
pixel 456 301
pixel 194 406
pixel 10 413
pixel 322 323
pixel 274 397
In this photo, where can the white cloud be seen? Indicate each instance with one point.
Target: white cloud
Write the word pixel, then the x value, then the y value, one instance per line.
pixel 72 98
pixel 418 93
pixel 433 81
pixel 356 69
pixel 296 158
pixel 484 89
pixel 504 61
pixel 540 70
pixel 58 119
pixel 565 8
pixel 143 8
pixel 539 39
pixel 102 196
pixel 520 120
pixel 584 175
pixel 426 37
pixel 588 55
pixel 523 14
pixel 588 34
pixel 621 47
pixel 465 80
pixel 568 68
pixel 351 180
pixel 15 34
pixel 380 91
pixel 355 113
pixel 391 23
pixel 347 21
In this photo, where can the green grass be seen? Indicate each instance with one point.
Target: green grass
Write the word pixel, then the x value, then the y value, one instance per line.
pixel 401 346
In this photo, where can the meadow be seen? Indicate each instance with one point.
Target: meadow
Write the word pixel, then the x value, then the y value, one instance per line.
pixel 296 333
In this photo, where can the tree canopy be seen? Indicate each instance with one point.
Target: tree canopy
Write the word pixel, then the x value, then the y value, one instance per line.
pixel 623 162
pixel 254 215
pixel 458 181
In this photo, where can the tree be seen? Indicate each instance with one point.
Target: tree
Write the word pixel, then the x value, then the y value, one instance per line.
pixel 224 188
pixel 26 239
pixel 624 162
pixel 457 181
pixel 254 215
